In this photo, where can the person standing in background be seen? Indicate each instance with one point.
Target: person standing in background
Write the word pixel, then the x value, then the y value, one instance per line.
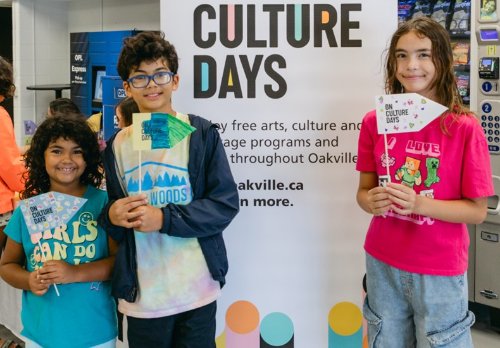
pixel 11 164
pixel 62 105
pixel 124 111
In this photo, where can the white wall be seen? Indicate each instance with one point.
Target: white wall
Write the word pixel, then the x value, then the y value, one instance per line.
pixel 107 15
pixel 41 54
pixel 41 43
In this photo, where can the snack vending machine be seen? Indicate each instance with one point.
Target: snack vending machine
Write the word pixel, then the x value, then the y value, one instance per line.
pixel 484 264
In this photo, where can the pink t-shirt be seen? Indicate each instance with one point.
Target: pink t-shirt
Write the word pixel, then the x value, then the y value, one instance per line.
pixel 444 167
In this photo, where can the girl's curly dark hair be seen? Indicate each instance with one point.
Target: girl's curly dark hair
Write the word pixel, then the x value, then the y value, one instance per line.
pixel 7 87
pixel 70 127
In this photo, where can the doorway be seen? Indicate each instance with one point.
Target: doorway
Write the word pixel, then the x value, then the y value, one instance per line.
pixel 6 47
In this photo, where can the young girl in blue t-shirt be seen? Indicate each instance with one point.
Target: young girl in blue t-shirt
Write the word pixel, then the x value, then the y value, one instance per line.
pixel 63 271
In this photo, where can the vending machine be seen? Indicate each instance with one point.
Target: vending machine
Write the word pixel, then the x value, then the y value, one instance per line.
pixel 484 264
pixel 93 56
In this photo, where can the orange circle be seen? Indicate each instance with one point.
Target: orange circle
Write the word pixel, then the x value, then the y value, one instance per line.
pixel 242 317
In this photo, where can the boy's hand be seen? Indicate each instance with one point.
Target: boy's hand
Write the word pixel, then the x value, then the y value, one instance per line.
pixel 150 219
pixel 36 286
pixel 123 211
pixel 57 272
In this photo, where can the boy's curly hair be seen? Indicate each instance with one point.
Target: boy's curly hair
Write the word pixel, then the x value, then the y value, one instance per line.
pixel 70 127
pixel 147 46
pixel 7 87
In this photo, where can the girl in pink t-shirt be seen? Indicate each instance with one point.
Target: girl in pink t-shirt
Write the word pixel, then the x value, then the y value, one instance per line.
pixel 440 178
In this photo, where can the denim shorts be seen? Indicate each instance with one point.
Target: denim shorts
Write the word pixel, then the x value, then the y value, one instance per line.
pixel 405 309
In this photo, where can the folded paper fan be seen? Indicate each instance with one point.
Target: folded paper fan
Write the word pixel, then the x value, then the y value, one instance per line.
pixel 49 210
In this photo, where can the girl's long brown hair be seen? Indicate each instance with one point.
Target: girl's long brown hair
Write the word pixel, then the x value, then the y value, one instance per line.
pixel 445 83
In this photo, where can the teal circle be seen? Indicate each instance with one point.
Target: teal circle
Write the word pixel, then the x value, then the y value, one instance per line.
pixel 276 329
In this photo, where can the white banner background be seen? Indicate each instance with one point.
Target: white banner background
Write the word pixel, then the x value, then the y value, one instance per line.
pixel 301 259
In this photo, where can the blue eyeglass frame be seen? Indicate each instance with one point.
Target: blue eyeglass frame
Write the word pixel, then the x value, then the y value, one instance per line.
pixel 151 77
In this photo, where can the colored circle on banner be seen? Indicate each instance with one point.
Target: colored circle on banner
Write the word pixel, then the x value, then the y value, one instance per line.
pixel 242 317
pixel 345 318
pixel 276 329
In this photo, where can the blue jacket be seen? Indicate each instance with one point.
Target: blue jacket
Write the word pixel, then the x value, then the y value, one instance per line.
pixel 215 203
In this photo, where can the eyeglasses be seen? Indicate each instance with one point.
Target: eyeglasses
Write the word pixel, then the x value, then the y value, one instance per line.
pixel 160 78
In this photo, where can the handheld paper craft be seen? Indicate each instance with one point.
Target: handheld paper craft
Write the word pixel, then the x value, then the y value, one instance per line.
pixel 404 113
pixel 407 112
pixel 47 211
pixel 158 131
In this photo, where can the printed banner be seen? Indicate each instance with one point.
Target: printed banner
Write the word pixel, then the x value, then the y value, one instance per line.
pixel 404 113
pixel 288 84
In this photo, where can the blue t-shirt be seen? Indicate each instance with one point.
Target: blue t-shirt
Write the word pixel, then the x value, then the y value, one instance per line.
pixel 84 315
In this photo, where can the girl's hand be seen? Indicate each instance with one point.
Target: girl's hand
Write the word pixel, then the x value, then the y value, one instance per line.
pixel 403 198
pixel 378 200
pixel 36 285
pixel 57 272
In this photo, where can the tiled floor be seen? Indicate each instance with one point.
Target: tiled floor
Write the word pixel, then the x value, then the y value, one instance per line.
pixel 484 338
pixel 486 330
pixel 6 334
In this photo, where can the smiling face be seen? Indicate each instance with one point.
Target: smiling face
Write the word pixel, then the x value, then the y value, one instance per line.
pixel 415 69
pixel 65 164
pixel 153 97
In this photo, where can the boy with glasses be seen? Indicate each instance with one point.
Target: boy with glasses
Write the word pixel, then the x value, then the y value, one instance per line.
pixel 172 261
